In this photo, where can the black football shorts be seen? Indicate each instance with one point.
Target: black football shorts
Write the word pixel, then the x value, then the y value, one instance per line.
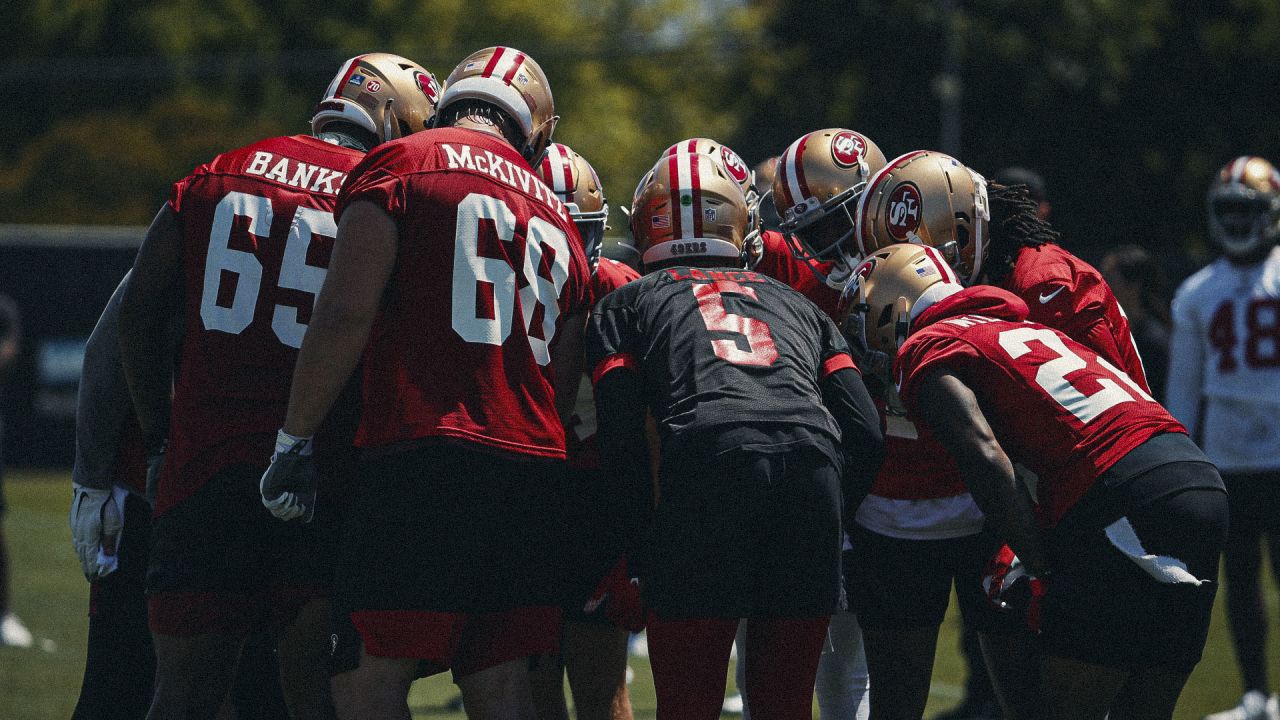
pixel 745 534
pixel 1102 607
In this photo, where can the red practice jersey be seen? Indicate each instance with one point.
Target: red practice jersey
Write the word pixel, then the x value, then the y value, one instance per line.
pixel 779 263
pixel 915 468
pixel 488 263
pixel 609 275
pixel 257 227
pixel 1068 294
pixel 1056 406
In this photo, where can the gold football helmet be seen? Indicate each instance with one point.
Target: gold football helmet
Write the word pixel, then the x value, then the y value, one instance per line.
pixel 689 206
pixel 734 167
pixel 927 198
pixel 388 95
pixel 1244 207
pixel 889 289
pixel 819 178
pixel 575 182
pixel 512 82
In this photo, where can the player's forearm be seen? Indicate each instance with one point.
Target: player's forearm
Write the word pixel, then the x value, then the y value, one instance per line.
pixel 1183 392
pixel 567 361
pixel 1004 500
pixel 330 352
pixel 862 441
pixel 148 366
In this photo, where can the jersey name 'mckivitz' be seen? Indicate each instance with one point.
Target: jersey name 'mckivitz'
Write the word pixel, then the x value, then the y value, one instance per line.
pixel 504 171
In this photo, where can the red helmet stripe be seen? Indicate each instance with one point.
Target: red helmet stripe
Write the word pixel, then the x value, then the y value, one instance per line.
pixel 1238 166
pixel 494 59
pixel 515 66
pixel 693 146
pixel 673 177
pixel 346 77
pixel 784 168
pixel 566 173
pixel 948 274
pixel 798 163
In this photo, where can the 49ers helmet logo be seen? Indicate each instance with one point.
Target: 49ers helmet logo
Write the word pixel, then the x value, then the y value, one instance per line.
pixel 903 216
pixel 428 85
pixel 734 164
pixel 847 148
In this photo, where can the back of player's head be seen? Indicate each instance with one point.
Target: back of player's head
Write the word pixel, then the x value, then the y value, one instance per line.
pixel 817 184
pixel 510 83
pixel 735 168
pixel 1244 208
pixel 1016 222
pixel 689 209
pixel 927 198
pixel 379 93
pixel 576 183
pixel 891 287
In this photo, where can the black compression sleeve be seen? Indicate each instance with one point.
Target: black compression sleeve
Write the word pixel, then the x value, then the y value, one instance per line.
pixel 862 439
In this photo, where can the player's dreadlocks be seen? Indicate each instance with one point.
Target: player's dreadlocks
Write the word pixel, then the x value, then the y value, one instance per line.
pixel 1015 224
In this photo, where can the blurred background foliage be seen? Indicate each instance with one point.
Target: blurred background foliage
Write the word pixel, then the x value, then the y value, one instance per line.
pixel 1126 107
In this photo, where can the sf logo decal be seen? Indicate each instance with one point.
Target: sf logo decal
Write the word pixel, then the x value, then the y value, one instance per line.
pixel 904 210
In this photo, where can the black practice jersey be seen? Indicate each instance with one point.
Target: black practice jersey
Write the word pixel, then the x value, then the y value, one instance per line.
pixel 721 351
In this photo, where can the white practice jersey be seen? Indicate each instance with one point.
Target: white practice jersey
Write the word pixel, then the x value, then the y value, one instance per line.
pixel 1224 362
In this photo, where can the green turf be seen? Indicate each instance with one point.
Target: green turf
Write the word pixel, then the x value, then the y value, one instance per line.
pixel 51 596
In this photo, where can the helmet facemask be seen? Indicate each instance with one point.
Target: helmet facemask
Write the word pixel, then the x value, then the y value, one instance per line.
pixel 1243 221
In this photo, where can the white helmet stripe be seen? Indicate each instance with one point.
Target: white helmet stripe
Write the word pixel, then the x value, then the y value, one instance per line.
pixel 554 161
pixel 684 183
pixel 338 79
pixel 1237 167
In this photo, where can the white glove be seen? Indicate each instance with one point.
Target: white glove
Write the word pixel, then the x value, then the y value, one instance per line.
pixel 288 487
pixel 96 521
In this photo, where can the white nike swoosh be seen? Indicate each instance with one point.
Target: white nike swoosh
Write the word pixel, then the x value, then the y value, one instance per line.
pixel 1046 298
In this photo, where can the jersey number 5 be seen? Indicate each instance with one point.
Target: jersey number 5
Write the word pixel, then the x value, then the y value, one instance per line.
pixel 295 273
pixel 760 351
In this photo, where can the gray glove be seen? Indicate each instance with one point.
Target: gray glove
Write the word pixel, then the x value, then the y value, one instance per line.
pixel 96 521
pixel 288 487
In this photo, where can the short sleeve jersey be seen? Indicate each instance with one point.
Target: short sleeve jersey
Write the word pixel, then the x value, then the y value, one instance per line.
pixel 1056 406
pixel 1225 362
pixel 1068 294
pixel 257 228
pixel 488 264
pixel 609 275
pixel 720 350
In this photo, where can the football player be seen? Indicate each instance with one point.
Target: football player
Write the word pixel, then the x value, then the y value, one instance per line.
pixel 471 276
pixel 753 392
pixel 593 650
pixel 1224 385
pixel 994 233
pixel 918 513
pixel 1118 566
pixel 817 175
pixel 111 531
pixel 240 251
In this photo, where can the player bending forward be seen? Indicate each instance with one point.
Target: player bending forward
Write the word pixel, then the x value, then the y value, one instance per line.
pixel 1121 572
pixel 753 391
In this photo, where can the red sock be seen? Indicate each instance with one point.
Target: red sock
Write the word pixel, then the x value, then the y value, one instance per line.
pixel 690 661
pixel 782 663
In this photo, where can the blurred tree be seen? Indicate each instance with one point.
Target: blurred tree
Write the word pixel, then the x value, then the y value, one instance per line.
pixel 1125 106
pixel 122 98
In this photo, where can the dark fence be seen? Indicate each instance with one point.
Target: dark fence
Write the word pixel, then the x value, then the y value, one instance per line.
pixel 60 277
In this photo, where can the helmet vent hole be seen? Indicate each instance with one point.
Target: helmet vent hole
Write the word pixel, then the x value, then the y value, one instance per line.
pixel 962 231
pixel 950 188
pixel 885 314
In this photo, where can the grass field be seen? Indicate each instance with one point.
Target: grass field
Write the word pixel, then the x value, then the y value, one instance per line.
pixel 42 683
